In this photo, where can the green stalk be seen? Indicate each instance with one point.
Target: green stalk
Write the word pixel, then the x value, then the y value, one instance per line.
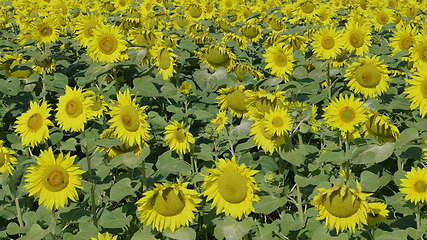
pixel 19 213
pixel 92 189
pixel 418 216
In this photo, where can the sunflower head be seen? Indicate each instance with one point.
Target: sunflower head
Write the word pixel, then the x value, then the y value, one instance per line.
pixel 377 213
pixel 178 138
pixel 234 99
pixel 217 56
pixel 251 31
pixel 7 159
pixel 414 186
pixel 105 236
pixel 381 127
pixel 107 44
pixel 417 92
pixel 278 121
pixel 279 60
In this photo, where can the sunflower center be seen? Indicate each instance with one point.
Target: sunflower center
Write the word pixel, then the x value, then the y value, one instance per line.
pixel 74 108
pixel 420 186
pixel 180 135
pixel 368 76
pixel 232 186
pixel 347 114
pixel 195 11
pixel 45 30
pixel 35 121
pixel 405 43
pixel 130 119
pixel 280 59
pixel 97 104
pixel 237 101
pixel 169 203
pixel 164 60
pixel 342 206
pixel 423 53
pixel 277 122
pixel 216 57
pixel 250 32
pixel 308 7
pixel 56 179
pixel 327 42
pixel 107 44
pixel 123 3
pixel 382 18
pixel 356 39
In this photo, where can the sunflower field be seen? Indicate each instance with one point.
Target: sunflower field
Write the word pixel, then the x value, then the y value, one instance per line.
pixel 213 119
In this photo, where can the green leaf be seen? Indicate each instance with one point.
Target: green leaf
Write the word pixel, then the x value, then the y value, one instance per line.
pixel 121 189
pixel 405 137
pixel 60 80
pixel 268 204
pixel 370 181
pixel 109 142
pixel 69 145
pixel 184 233
pixel 144 234
pixel 113 219
pixel 128 159
pixel 13 228
pixel 167 164
pixel 10 86
pixel 230 229
pixel 35 233
pixel 145 86
pixel 371 154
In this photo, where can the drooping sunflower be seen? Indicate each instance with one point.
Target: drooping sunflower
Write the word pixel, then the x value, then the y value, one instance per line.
pixel 264 140
pixel 217 55
pixel 278 121
pixel 7 159
pixel 85 26
pixel 377 213
pixel 342 207
pixel 73 110
pixel 381 127
pixel 357 38
pixel 280 60
pixel 128 120
pixel 168 206
pixel 261 102
pixel 368 76
pixel 414 186
pixel 243 69
pixel 32 125
pixel 220 121
pixel 417 92
pixel 107 44
pixel 53 181
pixel 234 99
pixel 251 31
pixel 105 236
pixel 419 52
pixel 46 30
pixel 345 113
pixel 165 61
pixel 403 39
pixel 327 43
pixel 232 188
pixel 98 105
pixel 178 138
pixel 195 11
pixel 117 150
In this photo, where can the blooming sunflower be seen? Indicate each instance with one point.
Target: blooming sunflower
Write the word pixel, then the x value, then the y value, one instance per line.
pixel 377 213
pixel 261 102
pixel 251 31
pixel 178 138
pixel 128 120
pixel 46 30
pixel 73 110
pixel 368 76
pixel 217 55
pixel 278 121
pixel 232 188
pixel 342 207
pixel 403 39
pixel 107 44
pixel 165 60
pixel 85 26
pixel 266 141
pixel 220 121
pixel 280 60
pixel 357 38
pixel 345 113
pixel 419 52
pixel 98 105
pixel 105 236
pixel 381 127
pixel 327 43
pixel 234 99
pixel 7 160
pixel 414 186
pixel 53 180
pixel 33 124
pixel 417 92
pixel 168 206
pixel 381 16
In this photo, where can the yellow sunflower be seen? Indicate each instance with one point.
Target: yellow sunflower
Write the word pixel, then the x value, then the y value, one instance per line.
pixel 105 236
pixel 243 69
pixel 195 11
pixel 232 188
pixel 368 76
pixel 128 120
pixel 403 39
pixel 342 207
pixel 381 16
pixel 168 206
pixel 417 92
pixel 7 160
pixel 357 38
pixel 381 127
pixel 220 121
pixel 278 121
pixel 327 43
pixel 266 141
pixel 98 105
pixel 165 61
pixel 107 44
pixel 251 31
pixel 85 26
pixel 419 52
pixel 279 60
pixel 117 150
pixel 414 186
pixel 46 30
pixel 234 99
pixel 261 102
pixel 185 87
pixel 377 213
pixel 53 181
pixel 345 113
pixel 32 125
pixel 217 55
pixel 73 110
pixel 178 138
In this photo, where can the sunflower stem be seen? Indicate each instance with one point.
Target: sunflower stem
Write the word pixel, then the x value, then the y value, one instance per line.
pixel 418 216
pixel 92 189
pixel 299 206
pixel 399 163
pixel 18 213
pixel 327 79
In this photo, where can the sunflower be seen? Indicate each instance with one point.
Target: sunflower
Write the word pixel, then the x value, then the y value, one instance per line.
pixel 403 39
pixel 185 87
pixel 168 206
pixel 417 92
pixel 195 11
pixel 327 43
pixel 377 213
pixel 46 30
pixel 414 186
pixel 232 188
pixel 381 16
pixel 261 102
pixel 381 127
pixel 217 55
pixel 357 38
pixel 117 150
pixel 98 105
pixel 73 110
pixel 220 121
pixel 85 26
pixel 105 236
pixel 265 140
pixel 45 65
pixel 278 121
pixel 342 207
pixel 419 52
pixel 7 160
pixel 280 60
pixel 165 61
pixel 128 120
pixel 53 180
pixel 251 31
pixel 178 138
pixel 32 125
pixel 368 76
pixel 345 113
pixel 107 44
pixel 243 69
pixel 234 99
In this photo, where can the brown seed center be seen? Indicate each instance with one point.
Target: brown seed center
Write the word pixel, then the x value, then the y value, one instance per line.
pixel 56 179
pixel 232 186
pixel 107 45
pixel 327 42
pixel 168 203
pixel 420 186
pixel 35 121
pixel 347 114
pixel 342 206
pixel 130 119
pixel 74 108
pixel 356 39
